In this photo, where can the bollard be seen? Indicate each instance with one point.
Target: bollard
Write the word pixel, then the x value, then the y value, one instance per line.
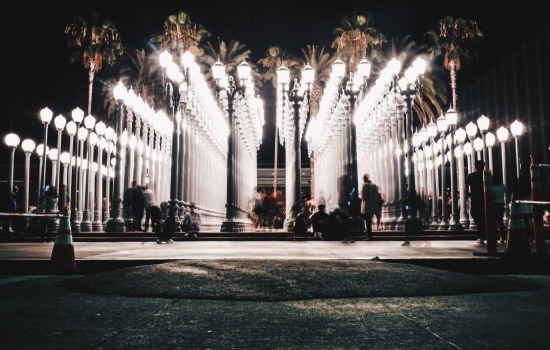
pixel 63 259
pixel 517 242
pixel 538 227
pixel 490 221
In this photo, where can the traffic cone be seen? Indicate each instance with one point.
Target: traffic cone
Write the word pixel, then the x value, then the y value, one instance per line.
pixel 63 260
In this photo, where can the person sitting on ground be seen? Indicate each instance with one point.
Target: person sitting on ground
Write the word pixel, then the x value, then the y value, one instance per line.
pixel 319 222
pixel 192 222
pixel 338 226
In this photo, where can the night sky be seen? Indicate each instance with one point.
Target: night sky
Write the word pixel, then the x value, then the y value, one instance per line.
pixel 37 72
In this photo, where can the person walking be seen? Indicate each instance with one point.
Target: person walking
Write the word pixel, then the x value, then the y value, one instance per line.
pixel 8 205
pixel 135 203
pixel 49 199
pixel 152 209
pixel 474 183
pixel 369 203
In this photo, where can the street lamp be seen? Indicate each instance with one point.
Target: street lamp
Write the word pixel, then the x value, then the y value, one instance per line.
pixel 298 97
pixel 460 135
pixel 12 141
pixel 59 121
pixel 227 85
pixel 46 115
pixel 356 84
pixel 517 129
pixel 452 118
pixel 175 85
pixel 77 115
pixel 64 159
pixel 28 147
pixel 502 135
pixel 409 85
pixel 86 224
pixel 432 133
pixel 97 224
pixel 442 128
pixel 41 151
pixel 110 137
pixel 53 154
pixel 483 124
pixel 116 222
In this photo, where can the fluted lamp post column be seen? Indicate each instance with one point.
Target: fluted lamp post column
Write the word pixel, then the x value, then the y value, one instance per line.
pixel 227 85
pixel 502 135
pixel 299 93
pixel 59 121
pixel 517 129
pixel 46 116
pixel 12 141
pixel 409 85
pixel 116 222
pixel 356 84
pixel 28 146
pixel 454 223
pixel 174 87
pixel 77 115
pixel 460 135
pixel 442 128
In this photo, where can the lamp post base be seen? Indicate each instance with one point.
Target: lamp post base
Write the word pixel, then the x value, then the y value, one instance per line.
pixel 115 225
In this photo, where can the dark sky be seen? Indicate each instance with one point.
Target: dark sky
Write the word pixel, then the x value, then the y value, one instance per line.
pixel 36 62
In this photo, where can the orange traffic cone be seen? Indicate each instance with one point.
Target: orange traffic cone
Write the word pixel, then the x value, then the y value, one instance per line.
pixel 63 260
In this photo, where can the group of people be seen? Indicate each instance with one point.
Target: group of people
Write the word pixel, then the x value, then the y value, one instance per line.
pixel 336 224
pixel 266 211
pixel 141 200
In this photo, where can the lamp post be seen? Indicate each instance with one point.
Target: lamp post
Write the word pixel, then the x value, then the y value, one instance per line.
pixel 409 85
pixel 46 115
pixel 471 131
pixel 64 159
pixel 97 224
pixel 460 135
pixel 116 223
pixel 355 85
pixel 28 147
pixel 297 96
pixel 517 129
pixel 432 133
pixel 59 121
pixel 86 224
pixel 174 87
pixel 41 151
pixel 70 127
pixel 109 136
pixel 483 124
pixel 452 118
pixel 228 86
pixel 442 126
pixel 502 135
pixel 53 154
pixel 12 141
pixel 77 115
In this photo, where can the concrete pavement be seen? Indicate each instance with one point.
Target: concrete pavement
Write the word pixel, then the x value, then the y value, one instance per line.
pixel 197 294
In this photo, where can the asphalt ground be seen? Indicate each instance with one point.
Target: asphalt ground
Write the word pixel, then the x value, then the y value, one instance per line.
pixel 276 295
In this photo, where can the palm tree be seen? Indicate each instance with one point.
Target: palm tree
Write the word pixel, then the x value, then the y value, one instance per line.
pixel 93 44
pixel 357 38
pixel 231 55
pixel 455 39
pixel 180 33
